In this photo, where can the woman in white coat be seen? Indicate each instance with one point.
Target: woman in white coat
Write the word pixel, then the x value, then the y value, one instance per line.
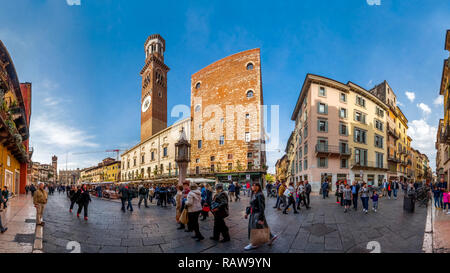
pixel 194 206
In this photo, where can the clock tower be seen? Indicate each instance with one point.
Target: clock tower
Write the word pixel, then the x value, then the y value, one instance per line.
pixel 154 88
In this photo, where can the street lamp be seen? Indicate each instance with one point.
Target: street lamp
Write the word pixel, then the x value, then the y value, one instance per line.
pixel 182 156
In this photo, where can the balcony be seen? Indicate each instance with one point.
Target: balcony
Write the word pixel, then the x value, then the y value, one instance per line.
pixel 393 132
pixel 369 165
pixel 329 150
pixel 11 138
pixel 394 158
pixel 445 135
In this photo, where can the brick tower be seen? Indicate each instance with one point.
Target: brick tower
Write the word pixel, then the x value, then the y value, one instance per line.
pixel 55 168
pixel 154 88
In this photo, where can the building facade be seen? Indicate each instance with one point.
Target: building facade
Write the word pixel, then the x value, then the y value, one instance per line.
pixel 227 129
pixel 42 173
pixel 155 157
pixel 69 177
pixel 108 170
pixel 15 111
pixel 340 133
pixel 444 126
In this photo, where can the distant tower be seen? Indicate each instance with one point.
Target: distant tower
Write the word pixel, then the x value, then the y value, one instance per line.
pixel 55 168
pixel 154 88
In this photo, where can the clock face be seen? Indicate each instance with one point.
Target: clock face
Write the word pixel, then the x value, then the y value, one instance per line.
pixel 146 103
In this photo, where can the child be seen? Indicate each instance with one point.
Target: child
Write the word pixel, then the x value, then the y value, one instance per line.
pixel 375 200
pixel 445 200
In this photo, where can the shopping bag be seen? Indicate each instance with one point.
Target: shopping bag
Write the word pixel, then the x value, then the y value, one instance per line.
pixel 184 217
pixel 287 192
pixel 259 236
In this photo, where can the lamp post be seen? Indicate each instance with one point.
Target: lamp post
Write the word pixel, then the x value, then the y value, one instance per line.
pixel 182 156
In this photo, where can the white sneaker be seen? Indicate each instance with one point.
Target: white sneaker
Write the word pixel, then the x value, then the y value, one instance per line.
pixel 448 212
pixel 250 247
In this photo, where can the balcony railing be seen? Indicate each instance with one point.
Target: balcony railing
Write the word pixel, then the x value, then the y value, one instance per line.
pixel 445 135
pixel 333 150
pixel 393 132
pixel 367 165
pixel 394 158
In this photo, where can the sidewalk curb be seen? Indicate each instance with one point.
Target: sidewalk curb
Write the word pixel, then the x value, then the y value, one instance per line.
pixel 38 239
pixel 428 246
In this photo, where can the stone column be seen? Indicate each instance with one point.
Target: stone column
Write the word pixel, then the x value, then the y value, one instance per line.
pixel 182 170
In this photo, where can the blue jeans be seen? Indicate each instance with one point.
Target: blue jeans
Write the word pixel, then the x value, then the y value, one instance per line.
pixel 436 202
pixel 375 204
pixel 395 193
pixel 129 205
pixel 365 202
pixel 355 201
pixel 440 200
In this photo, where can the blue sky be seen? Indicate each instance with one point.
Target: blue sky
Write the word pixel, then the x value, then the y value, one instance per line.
pixel 84 60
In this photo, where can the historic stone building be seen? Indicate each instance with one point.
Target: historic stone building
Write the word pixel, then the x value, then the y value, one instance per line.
pixel 15 112
pixel 227 133
pixel 107 170
pixel 55 168
pixel 154 156
pixel 69 177
pixel 42 173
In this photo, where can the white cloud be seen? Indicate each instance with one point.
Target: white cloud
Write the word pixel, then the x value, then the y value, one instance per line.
pixel 400 104
pixel 423 139
pixel 410 95
pixel 425 108
pixel 439 100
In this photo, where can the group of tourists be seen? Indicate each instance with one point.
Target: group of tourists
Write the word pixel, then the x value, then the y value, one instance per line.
pixel 193 200
pixel 288 194
pixel 441 196
pixel 79 195
pixel 30 188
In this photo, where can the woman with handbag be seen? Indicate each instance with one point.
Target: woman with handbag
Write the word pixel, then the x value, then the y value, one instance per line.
pixel 219 208
pixel 194 208
pixel 258 229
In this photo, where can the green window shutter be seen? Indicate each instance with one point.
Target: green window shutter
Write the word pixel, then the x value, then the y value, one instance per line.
pixel 326 162
pixel 326 108
pixel 326 126
pixel 318 125
pixel 318 108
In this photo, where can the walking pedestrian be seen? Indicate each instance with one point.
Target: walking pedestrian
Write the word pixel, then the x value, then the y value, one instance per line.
pixel 281 191
pixel 257 219
pixel 355 192
pixel 289 193
pixel 364 193
pixel 231 190
pixel 324 189
pixel 73 195
pixel 143 193
pixel 442 186
pixel 395 188
pixel 308 190
pixel 194 206
pixel 384 188
pixel 374 198
pixel 445 200
pixel 131 194
pixel 32 189
pixel 237 191
pixel 40 200
pixel 179 207
pixel 206 203
pixel 83 201
pixel 123 194
pixel 5 194
pixel 347 196
pixel 300 195
pixel 220 211
pixel 27 189
pixel 389 189
pixel 277 187
pixel 151 194
pixel 436 194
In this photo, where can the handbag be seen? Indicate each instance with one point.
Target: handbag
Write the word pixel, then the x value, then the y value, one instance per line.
pixel 287 192
pixel 206 208
pixel 184 217
pixel 259 236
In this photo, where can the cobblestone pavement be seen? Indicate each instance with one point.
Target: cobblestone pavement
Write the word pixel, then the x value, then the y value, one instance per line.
pixel 324 228
pixel 21 223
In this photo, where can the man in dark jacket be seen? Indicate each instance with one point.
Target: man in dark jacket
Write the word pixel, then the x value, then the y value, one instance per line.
pixel 355 191
pixel 220 211
pixel 123 193
pixel 32 189
pixel 307 194
pixel 143 193
pixel 73 195
pixel 5 194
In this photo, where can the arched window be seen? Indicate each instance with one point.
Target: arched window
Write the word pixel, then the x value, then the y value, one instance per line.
pixel 197 108
pixel 197 86
pixel 250 94
pixel 250 66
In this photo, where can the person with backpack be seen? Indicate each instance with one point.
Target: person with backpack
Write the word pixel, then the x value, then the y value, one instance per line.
pixel 83 201
pixel 219 208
